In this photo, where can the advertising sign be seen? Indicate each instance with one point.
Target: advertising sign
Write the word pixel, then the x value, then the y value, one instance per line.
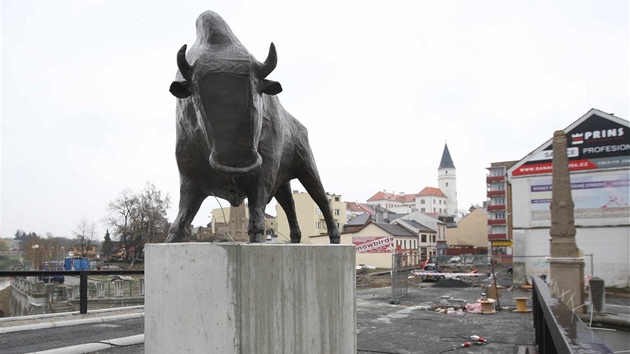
pixel 596 143
pixel 373 244
pixel 594 196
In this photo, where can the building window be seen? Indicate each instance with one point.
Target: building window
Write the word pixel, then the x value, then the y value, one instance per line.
pixel 422 201
pixel 433 237
pixel 336 211
pixel 423 238
pixel 422 210
pixel 447 184
pixel 498 229
pixel 319 225
pixel 336 199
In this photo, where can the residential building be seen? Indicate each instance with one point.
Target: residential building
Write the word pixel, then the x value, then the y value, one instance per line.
pixel 427 237
pixel 499 206
pixel 232 221
pixel 599 164
pixel 87 251
pixel 471 230
pixel 376 243
pixel 433 223
pixel 310 217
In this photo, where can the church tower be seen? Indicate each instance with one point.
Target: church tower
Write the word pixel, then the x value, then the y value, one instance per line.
pixel 447 181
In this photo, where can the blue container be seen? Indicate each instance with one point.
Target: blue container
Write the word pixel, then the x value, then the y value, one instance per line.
pixel 82 264
pixel 67 264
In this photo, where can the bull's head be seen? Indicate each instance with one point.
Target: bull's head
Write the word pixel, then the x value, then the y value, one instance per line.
pixel 228 94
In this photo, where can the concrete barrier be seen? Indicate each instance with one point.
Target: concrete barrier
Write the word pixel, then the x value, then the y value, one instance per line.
pixel 250 298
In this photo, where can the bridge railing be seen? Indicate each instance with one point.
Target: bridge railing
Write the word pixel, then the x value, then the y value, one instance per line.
pixel 83 279
pixel 558 329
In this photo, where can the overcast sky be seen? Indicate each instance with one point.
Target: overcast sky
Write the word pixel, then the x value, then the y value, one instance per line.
pixel 381 86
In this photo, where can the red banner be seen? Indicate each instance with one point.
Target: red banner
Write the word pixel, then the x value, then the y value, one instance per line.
pixel 545 167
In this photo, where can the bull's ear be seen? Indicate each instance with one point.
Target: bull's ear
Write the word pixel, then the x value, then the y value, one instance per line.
pixel 180 89
pixel 269 87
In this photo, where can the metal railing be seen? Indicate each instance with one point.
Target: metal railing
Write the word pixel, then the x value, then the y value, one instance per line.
pixel 557 328
pixel 83 279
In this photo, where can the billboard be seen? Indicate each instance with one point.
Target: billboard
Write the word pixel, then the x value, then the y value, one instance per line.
pixel 594 196
pixel 596 143
pixel 373 244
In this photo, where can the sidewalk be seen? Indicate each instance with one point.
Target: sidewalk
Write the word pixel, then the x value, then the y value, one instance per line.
pixel 382 327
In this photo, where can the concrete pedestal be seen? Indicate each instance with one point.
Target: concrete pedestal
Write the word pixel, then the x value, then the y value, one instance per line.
pixel 568 274
pixel 249 298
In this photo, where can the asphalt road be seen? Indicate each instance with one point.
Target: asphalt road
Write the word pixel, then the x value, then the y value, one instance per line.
pixel 60 337
pixel 381 328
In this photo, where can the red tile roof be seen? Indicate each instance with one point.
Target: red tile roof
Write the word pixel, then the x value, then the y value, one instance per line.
pixel 432 191
pixel 406 198
pixel 359 208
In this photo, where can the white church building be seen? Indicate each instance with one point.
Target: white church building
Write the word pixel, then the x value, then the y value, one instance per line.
pixel 441 201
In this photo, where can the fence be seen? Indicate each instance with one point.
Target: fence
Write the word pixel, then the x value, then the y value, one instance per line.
pixel 557 328
pixel 80 291
pixel 458 280
pixel 453 283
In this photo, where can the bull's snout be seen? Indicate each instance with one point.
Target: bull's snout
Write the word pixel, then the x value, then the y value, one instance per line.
pixel 245 167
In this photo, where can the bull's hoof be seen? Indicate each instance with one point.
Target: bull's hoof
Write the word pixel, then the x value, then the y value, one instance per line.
pixel 335 240
pixel 295 240
pixel 256 238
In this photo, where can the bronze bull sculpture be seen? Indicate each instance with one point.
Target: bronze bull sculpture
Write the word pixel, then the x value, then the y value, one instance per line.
pixel 234 138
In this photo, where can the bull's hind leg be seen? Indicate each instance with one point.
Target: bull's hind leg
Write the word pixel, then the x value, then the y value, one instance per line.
pixel 190 200
pixel 309 177
pixel 285 199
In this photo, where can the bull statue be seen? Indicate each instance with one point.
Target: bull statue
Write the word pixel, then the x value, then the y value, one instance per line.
pixel 234 138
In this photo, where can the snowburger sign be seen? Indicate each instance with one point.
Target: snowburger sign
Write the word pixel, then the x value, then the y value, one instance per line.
pixel 373 244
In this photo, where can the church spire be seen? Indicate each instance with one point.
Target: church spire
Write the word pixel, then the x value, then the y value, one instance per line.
pixel 447 161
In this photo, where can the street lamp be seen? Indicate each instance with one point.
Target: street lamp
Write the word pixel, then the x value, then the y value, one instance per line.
pixel 36 248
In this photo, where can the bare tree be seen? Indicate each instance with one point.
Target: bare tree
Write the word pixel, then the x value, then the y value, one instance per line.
pixel 139 218
pixel 120 218
pixel 85 233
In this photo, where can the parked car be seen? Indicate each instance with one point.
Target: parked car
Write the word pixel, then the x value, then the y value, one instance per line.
pixel 110 267
pixel 456 259
pixel 431 277
pixel 53 265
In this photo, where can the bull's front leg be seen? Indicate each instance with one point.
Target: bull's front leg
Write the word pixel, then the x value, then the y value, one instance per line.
pixel 256 227
pixel 190 199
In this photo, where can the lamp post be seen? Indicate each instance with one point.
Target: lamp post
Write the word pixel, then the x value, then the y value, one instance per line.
pixel 36 248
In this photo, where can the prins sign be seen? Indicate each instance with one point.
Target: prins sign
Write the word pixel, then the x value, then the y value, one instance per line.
pixel 596 143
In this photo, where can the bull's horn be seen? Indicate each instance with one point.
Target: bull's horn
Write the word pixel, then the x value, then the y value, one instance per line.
pixel 182 63
pixel 270 63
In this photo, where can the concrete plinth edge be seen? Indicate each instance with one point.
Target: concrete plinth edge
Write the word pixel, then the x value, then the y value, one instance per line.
pixel 250 298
